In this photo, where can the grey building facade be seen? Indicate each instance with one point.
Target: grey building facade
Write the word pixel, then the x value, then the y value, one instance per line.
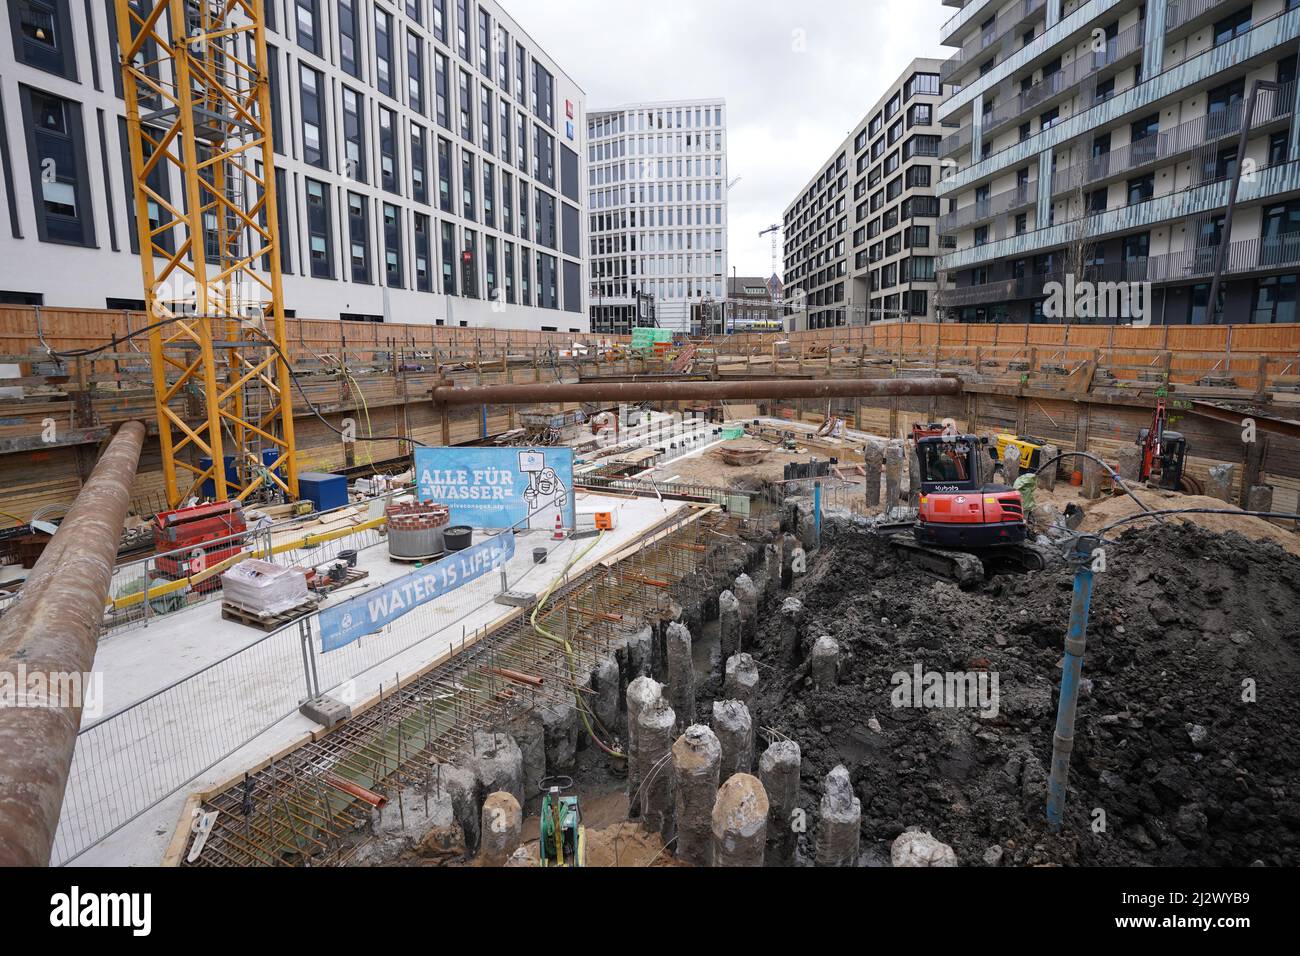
pixel 860 239
pixel 1098 140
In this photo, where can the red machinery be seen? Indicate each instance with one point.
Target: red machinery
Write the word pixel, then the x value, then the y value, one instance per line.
pixel 204 531
pixel 1164 452
pixel 965 529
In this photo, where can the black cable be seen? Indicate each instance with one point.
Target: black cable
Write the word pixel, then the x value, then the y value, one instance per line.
pixel 1111 471
pixel 1200 511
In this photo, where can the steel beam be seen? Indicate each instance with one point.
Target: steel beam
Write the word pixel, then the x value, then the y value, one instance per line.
pixel 49 634
pixel 557 392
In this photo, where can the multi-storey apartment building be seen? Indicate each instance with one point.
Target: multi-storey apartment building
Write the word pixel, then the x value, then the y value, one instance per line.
pixel 429 164
pixel 657 193
pixel 860 242
pixel 1098 140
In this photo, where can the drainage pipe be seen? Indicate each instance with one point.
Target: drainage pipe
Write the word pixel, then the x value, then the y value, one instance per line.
pixel 556 392
pixel 49 634
pixel 1076 641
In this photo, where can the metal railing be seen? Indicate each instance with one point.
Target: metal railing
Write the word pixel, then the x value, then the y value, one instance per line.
pixel 1196 134
pixel 1004 31
pixel 132 759
pixel 1250 255
pixel 990 208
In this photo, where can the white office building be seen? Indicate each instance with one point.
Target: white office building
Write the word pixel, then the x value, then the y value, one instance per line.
pixel 657 195
pixel 429 164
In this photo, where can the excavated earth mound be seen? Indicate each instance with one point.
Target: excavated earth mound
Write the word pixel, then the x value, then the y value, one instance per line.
pixel 1186 743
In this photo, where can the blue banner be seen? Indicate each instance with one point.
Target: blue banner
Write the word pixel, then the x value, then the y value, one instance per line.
pixel 499 487
pixel 367 613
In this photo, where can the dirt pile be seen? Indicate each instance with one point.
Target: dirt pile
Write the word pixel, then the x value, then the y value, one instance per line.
pixel 1186 747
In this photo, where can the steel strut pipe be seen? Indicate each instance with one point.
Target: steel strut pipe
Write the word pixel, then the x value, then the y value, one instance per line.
pixel 538 393
pixel 47 648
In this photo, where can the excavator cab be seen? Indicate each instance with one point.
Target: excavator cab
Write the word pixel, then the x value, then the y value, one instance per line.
pixel 957 510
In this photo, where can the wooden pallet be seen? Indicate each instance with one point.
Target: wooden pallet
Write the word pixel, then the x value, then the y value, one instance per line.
pixel 268 623
pixel 352 577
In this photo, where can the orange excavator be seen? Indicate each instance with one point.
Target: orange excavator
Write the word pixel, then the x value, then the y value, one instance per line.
pixel 965 529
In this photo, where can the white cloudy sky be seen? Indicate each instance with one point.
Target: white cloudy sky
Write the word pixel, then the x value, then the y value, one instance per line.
pixel 787 110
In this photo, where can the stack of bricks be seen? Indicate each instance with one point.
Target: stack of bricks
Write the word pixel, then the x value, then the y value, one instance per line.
pixel 417 516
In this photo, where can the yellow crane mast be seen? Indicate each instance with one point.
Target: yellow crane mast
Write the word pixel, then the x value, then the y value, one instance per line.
pixel 198 111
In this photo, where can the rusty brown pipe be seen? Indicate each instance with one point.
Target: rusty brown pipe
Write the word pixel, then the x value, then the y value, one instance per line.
pixel 52 628
pixel 692 391
pixel 355 790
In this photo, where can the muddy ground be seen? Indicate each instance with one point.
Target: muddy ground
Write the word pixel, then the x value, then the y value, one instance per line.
pixel 1174 762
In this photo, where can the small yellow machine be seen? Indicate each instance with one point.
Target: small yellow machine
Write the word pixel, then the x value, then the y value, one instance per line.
pixel 1031 450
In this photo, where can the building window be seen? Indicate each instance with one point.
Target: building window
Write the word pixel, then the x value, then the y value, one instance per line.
pixel 469 264
pixel 440 20
pixel 543 157
pixel 462 29
pixel 419 166
pixel 57 156
pixel 1275 299
pixel 503 128
pixel 484 43
pixel 490 265
pixel 43 36
pixel 545 218
pixel 392 247
pixel 503 58
pixel 1142 188
pixel 510 272
pixel 388 171
pixel 521 73
pixel 313 118
pixel 507 203
pixel 354 136
pixel 444 175
pixel 348 38
pixel 467 184
pixel 523 209
pixel 466 108
pixel 415 71
pixel 308 26
pixel 489 195
pixel 423 271
pixel 521 141
pixel 318 230
pixel 1233 26
pixel 359 238
pixel 485 119
pixel 543 95
pixel 448 258
pixel 384 52
pixel 546 278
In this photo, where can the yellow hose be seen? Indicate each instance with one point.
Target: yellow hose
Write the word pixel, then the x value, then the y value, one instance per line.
pixel 568 648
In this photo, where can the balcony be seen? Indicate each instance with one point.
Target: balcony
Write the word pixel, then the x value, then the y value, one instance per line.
pixel 1185 11
pixel 1004 33
pixel 1248 256
pixel 1273 106
pixel 1003 202
pixel 1075 74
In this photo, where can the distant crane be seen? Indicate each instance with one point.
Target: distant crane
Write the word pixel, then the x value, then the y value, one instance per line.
pixel 733 183
pixel 775 230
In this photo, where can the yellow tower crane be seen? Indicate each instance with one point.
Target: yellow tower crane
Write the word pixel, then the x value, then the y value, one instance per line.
pixel 198 111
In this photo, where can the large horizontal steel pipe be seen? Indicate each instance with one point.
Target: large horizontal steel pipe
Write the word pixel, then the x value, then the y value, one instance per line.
pixel 47 648
pixel 693 391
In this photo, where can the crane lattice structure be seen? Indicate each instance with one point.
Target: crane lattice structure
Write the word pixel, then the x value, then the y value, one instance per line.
pixel 198 110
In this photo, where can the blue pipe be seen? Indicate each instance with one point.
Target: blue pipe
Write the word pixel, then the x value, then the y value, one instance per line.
pixel 1076 641
pixel 817 510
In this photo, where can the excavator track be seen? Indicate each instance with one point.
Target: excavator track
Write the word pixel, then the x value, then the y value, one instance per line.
pixel 967 569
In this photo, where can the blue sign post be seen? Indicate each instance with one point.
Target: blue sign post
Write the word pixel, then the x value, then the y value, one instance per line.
pixel 499 487
pixel 367 613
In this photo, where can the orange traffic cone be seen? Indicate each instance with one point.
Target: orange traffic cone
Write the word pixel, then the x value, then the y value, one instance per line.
pixel 559 528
